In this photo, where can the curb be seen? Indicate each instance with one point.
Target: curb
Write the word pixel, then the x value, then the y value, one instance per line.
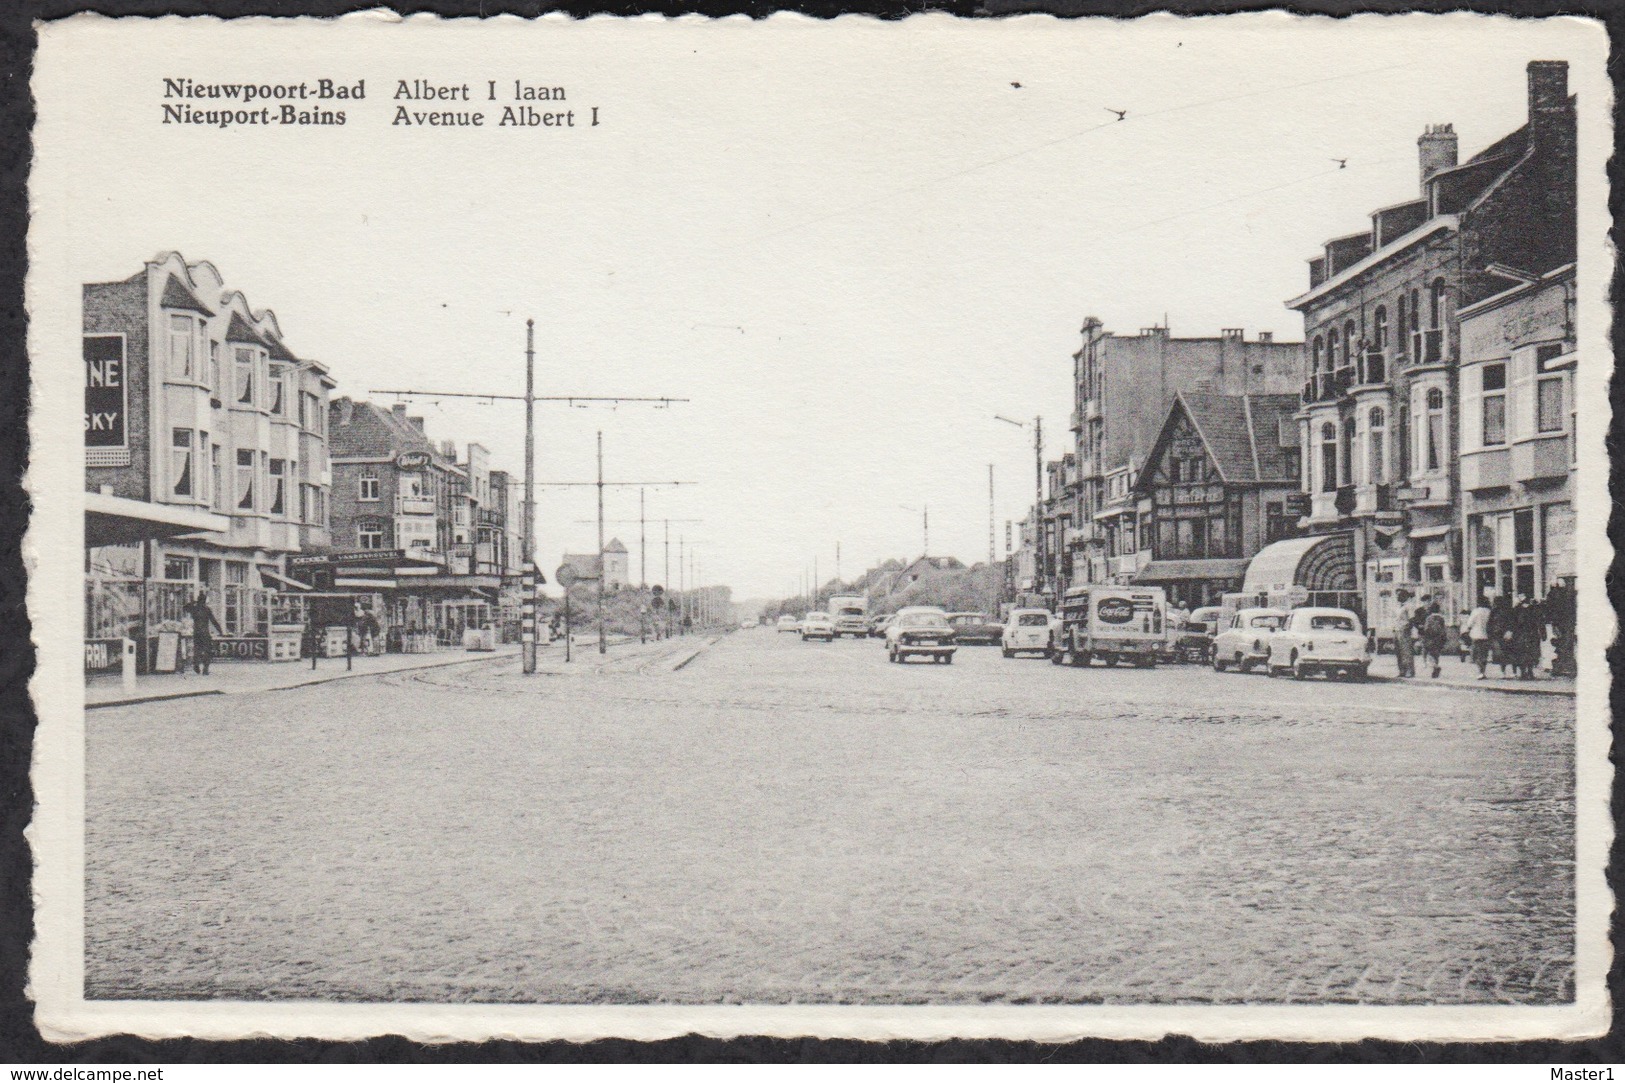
pixel 161 697
pixel 1474 686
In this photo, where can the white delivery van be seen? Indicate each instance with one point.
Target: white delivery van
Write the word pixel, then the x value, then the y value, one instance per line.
pixel 850 612
pixel 1112 624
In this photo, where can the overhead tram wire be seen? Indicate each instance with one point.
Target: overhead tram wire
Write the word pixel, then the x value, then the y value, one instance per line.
pixel 1133 116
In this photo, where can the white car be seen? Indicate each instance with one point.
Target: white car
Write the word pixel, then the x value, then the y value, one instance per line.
pixel 787 623
pixel 1245 643
pixel 817 626
pixel 1027 630
pixel 1319 640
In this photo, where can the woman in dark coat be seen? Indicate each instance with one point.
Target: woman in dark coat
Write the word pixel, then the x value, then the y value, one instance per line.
pixel 204 625
pixel 1528 632
pixel 1501 632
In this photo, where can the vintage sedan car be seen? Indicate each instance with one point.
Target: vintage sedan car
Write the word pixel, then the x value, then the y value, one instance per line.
pixel 1246 642
pixel 1193 640
pixel 975 628
pixel 1319 640
pixel 787 623
pixel 1027 631
pixel 878 623
pixel 817 625
pixel 920 631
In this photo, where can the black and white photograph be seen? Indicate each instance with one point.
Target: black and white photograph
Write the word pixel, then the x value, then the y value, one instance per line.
pixel 1022 528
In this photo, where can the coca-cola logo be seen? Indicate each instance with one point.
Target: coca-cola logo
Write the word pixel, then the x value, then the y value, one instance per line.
pixel 1115 610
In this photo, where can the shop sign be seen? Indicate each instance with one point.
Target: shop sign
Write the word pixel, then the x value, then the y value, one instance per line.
pixel 242 649
pixel 1115 610
pixel 412 460
pixel 354 556
pixel 107 393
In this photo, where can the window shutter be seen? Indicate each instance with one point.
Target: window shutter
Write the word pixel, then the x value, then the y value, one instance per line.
pixel 1521 394
pixel 1472 408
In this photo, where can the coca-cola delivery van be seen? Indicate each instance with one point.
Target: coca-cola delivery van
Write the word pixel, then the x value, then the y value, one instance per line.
pixel 1112 624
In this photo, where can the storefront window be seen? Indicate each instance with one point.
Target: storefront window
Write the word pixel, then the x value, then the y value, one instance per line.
pixel 178 569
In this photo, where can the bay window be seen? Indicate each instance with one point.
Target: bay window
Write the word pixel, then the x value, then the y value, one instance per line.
pixel 278 479
pixel 1494 403
pixel 181 337
pixel 1376 446
pixel 245 376
pixel 245 481
pixel 181 462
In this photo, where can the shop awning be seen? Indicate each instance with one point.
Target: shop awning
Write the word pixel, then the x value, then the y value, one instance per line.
pixel 1321 562
pixel 1168 571
pixel 118 520
pixel 276 577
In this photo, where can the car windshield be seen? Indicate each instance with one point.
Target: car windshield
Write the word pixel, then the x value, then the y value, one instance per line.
pixel 968 618
pixel 1196 626
pixel 1033 620
pixel 818 616
pixel 851 611
pixel 923 620
pixel 1331 622
pixel 1270 622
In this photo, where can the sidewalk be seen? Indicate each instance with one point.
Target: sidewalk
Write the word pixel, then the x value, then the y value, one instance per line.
pixel 225 678
pixel 1454 673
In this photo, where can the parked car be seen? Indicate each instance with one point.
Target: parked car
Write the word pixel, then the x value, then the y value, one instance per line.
pixel 1319 640
pixel 1246 642
pixel 1027 631
pixel 975 628
pixel 923 631
pixel 1193 640
pixel 878 623
pixel 817 625
pixel 787 623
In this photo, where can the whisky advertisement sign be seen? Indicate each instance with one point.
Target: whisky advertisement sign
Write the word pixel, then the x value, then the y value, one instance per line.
pixel 106 392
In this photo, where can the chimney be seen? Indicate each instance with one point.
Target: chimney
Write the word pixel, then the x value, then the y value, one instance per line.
pixel 399 410
pixel 415 422
pixel 346 410
pixel 1436 150
pixel 449 450
pixel 1548 95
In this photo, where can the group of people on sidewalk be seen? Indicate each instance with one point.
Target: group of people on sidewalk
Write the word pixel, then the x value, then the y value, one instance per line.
pixel 1506 632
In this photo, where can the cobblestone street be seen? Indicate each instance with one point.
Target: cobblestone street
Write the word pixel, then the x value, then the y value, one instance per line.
pixel 786 822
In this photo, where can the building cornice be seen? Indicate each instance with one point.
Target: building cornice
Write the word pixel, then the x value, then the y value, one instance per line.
pixel 1439 223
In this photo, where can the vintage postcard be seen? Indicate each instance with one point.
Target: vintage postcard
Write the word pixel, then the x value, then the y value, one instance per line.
pixel 1016 527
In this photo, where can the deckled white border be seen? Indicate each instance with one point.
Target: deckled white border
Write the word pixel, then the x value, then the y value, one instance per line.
pixel 55 539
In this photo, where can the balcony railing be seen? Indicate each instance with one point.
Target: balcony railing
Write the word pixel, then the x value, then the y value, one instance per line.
pixel 1427 347
pixel 1373 368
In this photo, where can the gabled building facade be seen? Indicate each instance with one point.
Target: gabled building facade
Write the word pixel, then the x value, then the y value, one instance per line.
pixel 1381 397
pixel 1124 387
pixel 1216 488
pixel 196 409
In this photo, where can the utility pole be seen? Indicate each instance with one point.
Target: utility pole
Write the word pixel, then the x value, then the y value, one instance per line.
pixel 1038 503
pixel 530 578
pixel 603 644
pixel 837 563
pixel 992 550
pixel 527 559
pixel 643 545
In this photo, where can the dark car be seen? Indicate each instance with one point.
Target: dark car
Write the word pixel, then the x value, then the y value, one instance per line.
pixel 975 628
pixel 877 625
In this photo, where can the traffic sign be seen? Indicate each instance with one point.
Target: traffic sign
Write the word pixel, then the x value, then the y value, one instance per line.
pixel 566 575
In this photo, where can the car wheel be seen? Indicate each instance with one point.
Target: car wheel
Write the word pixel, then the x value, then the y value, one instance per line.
pixel 1218 664
pixel 947 659
pixel 891 655
pixel 1007 652
pixel 1054 656
pixel 1300 672
pixel 1358 673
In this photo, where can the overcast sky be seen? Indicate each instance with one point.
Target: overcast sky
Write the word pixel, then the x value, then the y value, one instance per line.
pixel 849 244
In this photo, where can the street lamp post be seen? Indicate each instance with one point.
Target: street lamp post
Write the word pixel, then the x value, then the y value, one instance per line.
pixel 1039 548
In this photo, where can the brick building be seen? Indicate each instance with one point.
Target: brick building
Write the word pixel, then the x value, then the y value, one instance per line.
pixel 403 515
pixel 1124 389
pixel 206 464
pixel 1382 395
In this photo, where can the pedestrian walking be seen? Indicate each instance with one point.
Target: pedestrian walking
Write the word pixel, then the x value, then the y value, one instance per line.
pixel 1477 632
pixel 204 625
pixel 1500 629
pixel 1559 607
pixel 1433 636
pixel 1404 653
pixel 1528 632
